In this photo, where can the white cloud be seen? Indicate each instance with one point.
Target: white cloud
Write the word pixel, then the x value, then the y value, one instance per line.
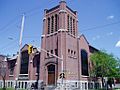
pixel 98 37
pixel 118 44
pixel 93 38
pixel 110 33
pixel 110 17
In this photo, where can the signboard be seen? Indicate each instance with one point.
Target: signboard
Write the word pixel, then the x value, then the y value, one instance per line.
pixel 62 75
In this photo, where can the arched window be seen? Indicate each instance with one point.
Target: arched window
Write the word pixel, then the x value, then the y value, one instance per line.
pixel 71 25
pixel 48 25
pixel 51 68
pixel 56 22
pixel 52 24
pixel 84 63
pixel 68 24
pixel 24 62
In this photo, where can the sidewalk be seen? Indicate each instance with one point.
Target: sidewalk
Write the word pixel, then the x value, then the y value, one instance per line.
pixel 117 85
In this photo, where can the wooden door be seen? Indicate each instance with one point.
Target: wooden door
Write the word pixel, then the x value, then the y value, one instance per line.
pixel 51 75
pixel 51 78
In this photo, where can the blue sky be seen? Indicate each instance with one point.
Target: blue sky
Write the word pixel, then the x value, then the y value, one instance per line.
pixel 99 21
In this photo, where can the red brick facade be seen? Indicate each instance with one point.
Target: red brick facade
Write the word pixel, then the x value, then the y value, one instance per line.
pixel 60 37
pixel 64 39
pixel 24 79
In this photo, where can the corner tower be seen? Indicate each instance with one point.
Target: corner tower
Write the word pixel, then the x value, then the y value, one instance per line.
pixel 60 18
pixel 59 38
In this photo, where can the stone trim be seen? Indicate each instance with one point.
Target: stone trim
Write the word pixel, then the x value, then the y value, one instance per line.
pixel 12 83
pixel 42 35
pixel 52 33
pixel 75 84
pixel 62 11
pixel 44 18
pixel 62 30
pixel 11 75
pixel 47 35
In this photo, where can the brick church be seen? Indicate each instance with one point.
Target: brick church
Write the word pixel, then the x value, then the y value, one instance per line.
pixel 60 37
pixel 62 51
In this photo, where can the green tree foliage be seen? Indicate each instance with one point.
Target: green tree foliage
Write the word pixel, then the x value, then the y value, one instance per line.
pixel 104 65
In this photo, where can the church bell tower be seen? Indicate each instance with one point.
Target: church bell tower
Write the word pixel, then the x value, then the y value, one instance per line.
pixel 59 35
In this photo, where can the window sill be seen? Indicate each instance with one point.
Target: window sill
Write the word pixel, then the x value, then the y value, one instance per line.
pixel 36 74
pixel 11 75
pixel 72 57
pixel 23 74
pixel 85 76
pixel 71 35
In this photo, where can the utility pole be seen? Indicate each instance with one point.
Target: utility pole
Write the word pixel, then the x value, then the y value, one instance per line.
pixel 20 46
pixel 62 67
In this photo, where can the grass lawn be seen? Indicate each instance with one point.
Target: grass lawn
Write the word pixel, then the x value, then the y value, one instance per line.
pixel 7 88
pixel 117 89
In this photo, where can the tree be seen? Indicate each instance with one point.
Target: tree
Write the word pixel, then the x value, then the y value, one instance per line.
pixel 3 69
pixel 104 65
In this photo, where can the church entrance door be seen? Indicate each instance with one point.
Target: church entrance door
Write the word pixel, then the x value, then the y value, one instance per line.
pixel 51 74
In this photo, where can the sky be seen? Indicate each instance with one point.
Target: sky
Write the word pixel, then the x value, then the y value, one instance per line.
pixel 99 21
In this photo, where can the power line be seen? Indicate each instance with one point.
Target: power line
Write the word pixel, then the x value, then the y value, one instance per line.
pixel 31 36
pixel 12 47
pixel 102 26
pixel 9 31
pixel 9 23
pixel 32 12
pixel 17 17
pixel 9 44
pixel 34 9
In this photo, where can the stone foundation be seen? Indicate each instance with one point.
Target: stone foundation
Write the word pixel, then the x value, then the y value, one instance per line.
pixel 25 84
pixel 81 85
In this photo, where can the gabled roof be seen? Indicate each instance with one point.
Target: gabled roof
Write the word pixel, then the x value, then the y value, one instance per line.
pixel 83 37
pixel 93 49
pixel 24 46
pixel 71 10
pixel 56 7
pixel 13 57
pixel 2 55
pixel 49 10
pixel 27 46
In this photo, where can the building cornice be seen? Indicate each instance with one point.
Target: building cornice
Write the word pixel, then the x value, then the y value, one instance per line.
pixel 43 35
pixel 62 30
pixel 44 18
pixel 62 11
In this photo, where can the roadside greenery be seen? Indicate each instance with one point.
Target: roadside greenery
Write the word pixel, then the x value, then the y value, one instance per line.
pixel 104 65
pixel 7 88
